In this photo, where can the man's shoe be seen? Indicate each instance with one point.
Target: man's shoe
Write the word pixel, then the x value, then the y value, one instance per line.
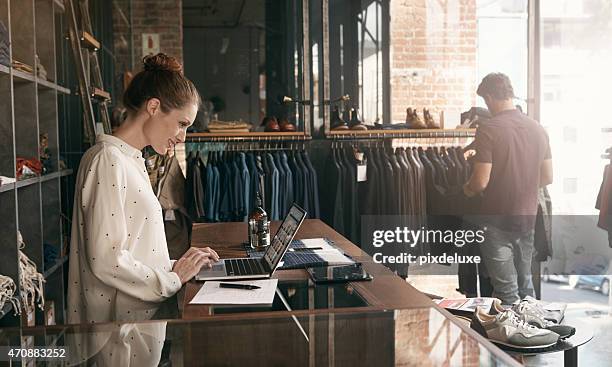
pixel 429 121
pixel 507 329
pixel 533 315
pixel 336 122
pixel 286 126
pixel 271 124
pixel 413 120
pixel 355 123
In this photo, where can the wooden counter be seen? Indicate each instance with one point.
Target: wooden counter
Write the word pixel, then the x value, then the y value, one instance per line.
pixel 385 291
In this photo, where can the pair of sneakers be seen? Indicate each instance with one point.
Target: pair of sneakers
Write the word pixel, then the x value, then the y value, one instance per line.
pixel 522 326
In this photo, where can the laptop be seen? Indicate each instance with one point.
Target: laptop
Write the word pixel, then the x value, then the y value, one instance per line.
pixel 263 267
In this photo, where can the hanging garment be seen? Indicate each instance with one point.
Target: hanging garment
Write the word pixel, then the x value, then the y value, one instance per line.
pixel 170 194
pixel 603 204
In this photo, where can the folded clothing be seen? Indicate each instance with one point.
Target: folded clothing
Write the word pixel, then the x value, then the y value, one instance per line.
pixel 216 125
pixel 22 67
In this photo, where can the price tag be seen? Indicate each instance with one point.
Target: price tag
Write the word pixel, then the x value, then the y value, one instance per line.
pixel 362 173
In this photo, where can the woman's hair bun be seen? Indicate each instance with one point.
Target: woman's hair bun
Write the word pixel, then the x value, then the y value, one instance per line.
pixel 161 62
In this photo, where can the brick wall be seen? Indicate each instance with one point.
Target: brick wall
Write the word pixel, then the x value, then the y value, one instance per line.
pixel 433 57
pixel 150 16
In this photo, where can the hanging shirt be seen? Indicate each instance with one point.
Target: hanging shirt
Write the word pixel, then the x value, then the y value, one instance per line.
pixel 119 268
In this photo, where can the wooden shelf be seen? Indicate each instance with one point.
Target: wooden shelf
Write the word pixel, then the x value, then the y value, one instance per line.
pixel 89 41
pixel 250 136
pixel 403 133
pixel 58 264
pixel 100 94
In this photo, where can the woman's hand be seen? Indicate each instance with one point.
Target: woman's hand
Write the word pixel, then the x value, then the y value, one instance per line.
pixel 192 261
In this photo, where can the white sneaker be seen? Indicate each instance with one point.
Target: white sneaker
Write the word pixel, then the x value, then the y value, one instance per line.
pixel 506 328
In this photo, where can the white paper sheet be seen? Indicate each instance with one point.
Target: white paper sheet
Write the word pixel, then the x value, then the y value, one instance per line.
pixel 334 257
pixel 212 294
pixel 316 242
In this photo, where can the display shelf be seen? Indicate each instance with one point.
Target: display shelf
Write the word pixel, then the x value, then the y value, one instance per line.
pixel 42 83
pixel 58 264
pixel 29 106
pixel 7 187
pixel 52 175
pixel 22 76
pixel 246 137
pixel 27 182
pixel 403 133
pixel 43 178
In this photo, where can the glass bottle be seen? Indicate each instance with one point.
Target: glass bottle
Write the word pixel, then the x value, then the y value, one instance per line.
pixel 259 226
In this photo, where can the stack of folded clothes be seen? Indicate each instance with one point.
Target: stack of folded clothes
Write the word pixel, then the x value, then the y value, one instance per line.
pixel 228 127
pixel 22 67
pixel 5 58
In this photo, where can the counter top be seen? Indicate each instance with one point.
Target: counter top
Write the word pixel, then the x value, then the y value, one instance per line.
pixel 385 291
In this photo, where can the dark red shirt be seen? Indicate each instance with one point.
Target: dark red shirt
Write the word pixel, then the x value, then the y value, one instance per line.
pixel 516 146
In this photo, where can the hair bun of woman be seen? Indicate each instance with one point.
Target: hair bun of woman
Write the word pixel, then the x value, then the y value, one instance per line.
pixel 161 62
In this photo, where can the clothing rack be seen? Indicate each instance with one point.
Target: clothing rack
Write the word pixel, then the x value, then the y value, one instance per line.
pixel 239 146
pixel 402 134
pixel 247 137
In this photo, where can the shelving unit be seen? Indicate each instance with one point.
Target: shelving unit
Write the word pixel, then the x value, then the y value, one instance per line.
pixel 28 108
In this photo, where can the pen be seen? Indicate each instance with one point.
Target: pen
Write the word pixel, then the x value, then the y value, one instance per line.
pixel 238 286
pixel 306 248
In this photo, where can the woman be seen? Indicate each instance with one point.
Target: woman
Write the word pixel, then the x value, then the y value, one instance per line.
pixel 119 263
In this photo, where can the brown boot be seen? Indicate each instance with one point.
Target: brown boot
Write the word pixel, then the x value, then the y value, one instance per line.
pixel 429 121
pixel 415 121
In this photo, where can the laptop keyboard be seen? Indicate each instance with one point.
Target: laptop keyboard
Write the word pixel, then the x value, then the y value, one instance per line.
pixel 245 266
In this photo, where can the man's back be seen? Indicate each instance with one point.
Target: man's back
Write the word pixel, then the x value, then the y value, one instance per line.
pixel 516 146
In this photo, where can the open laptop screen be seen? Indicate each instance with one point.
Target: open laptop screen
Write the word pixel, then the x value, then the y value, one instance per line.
pixel 284 236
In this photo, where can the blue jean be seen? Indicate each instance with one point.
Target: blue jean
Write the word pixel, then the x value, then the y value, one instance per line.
pixel 507 256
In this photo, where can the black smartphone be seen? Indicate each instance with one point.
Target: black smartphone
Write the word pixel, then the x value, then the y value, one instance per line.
pixel 338 273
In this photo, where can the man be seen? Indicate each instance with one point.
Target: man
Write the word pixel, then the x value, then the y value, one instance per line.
pixel 512 162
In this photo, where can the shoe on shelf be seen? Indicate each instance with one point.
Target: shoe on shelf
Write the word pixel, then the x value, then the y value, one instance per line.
pixel 336 122
pixel 429 121
pixel 286 126
pixel 413 120
pixel 554 314
pixel 271 124
pixel 507 329
pixel 535 316
pixel 355 123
